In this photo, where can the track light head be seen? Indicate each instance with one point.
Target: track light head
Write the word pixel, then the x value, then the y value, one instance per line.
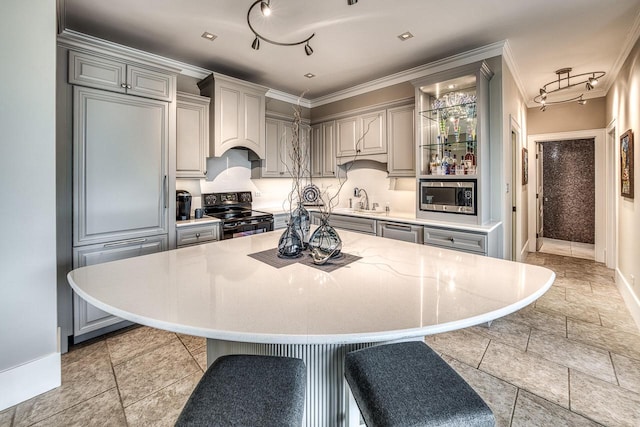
pixel 352 2
pixel 593 81
pixel 256 44
pixel 582 101
pixel 308 49
pixel 264 8
pixel 543 108
pixel 589 86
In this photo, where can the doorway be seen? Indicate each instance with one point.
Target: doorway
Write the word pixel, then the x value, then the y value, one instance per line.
pixel 566 215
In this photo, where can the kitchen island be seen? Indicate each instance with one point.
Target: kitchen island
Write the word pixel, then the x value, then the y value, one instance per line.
pixel 395 291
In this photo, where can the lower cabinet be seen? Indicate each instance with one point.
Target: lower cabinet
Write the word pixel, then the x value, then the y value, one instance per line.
pixel 188 235
pixel 455 239
pixel 398 231
pixel 280 220
pixel 89 321
pixel 345 222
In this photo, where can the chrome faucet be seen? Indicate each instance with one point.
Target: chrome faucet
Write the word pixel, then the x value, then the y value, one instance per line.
pixel 357 193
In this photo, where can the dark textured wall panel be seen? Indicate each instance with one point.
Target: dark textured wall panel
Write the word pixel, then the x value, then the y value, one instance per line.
pixel 569 190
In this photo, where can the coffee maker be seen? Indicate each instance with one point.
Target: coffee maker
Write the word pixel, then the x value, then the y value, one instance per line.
pixel 183 205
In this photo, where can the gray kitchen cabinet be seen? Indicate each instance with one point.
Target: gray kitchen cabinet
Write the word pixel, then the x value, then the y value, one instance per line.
pixel 466 241
pixel 399 231
pixel 120 181
pixel 346 222
pixel 323 157
pixel 90 321
pixel 237 114
pixel 103 72
pixel 364 135
pixel 195 234
pixel 280 220
pixel 192 135
pixel 401 141
pixel 278 162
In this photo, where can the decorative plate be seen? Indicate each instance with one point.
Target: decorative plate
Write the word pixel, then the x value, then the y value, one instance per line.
pixel 310 194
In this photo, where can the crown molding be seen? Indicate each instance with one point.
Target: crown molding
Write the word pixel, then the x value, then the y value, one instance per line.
pixel 630 41
pixel 287 97
pixel 469 57
pixel 507 54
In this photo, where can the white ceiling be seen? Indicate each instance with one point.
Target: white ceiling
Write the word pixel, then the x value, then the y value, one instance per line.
pixel 357 44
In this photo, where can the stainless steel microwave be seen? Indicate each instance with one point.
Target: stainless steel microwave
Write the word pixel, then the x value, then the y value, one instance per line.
pixel 452 196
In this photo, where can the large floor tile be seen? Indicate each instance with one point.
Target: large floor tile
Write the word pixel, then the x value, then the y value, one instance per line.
pixel 498 394
pixel 620 342
pixel 163 407
pixel 83 377
pixel 618 319
pixel 463 345
pixel 146 374
pixel 591 299
pixel 193 344
pixel 532 410
pixel 627 371
pixel 538 319
pixel 200 357
pixel 102 410
pixel 569 283
pixel 6 417
pixel 137 341
pixel 603 402
pixel 568 308
pixel 529 371
pixel 573 354
pixel 511 333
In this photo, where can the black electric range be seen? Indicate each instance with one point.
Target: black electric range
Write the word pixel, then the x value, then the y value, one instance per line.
pixel 235 212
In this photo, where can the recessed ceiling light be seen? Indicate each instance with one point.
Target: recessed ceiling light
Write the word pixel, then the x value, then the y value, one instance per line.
pixel 451 86
pixel 309 75
pixel 405 36
pixel 209 36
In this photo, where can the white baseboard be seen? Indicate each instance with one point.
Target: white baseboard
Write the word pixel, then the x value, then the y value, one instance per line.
pixel 630 298
pixel 29 380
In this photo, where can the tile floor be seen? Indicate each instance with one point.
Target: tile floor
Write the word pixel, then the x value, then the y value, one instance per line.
pixel 572 359
pixel 572 249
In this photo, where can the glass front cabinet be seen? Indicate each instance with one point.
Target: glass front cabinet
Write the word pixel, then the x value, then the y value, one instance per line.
pixel 452 129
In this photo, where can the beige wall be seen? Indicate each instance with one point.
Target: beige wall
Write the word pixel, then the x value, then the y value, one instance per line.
pixel 282 107
pixel 387 94
pixel 623 106
pixel 567 117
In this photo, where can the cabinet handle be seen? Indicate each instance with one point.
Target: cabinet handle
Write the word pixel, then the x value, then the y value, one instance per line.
pixel 197 235
pixel 123 85
pixel 451 239
pixel 398 227
pixel 124 243
pixel 165 191
pixel 128 86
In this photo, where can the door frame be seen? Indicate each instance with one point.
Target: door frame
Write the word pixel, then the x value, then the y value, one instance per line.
pixel 515 187
pixel 601 181
pixel 612 191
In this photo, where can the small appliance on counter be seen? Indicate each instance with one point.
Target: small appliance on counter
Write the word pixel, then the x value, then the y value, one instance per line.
pixel 183 205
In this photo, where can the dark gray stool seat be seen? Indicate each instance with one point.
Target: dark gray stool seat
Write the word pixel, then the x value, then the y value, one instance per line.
pixel 246 390
pixel 408 384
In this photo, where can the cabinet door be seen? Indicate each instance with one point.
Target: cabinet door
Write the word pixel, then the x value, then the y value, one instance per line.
pixel 97 72
pixel 316 151
pixel 401 141
pixel 88 318
pixel 228 114
pixel 328 149
pixel 347 134
pixel 192 139
pixel 120 166
pixel 271 163
pixel 372 133
pixel 148 83
pixel 253 122
pixel 405 232
pixel 360 225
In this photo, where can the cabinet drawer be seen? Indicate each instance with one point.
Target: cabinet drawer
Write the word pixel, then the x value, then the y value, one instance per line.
pixel 197 234
pixel 360 225
pixel 404 232
pixel 454 239
pixel 280 221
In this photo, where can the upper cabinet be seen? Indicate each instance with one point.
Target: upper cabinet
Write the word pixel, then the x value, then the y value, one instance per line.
pixel 192 135
pixel 279 157
pixel 323 152
pixel 400 136
pixel 362 135
pixel 116 75
pixel 237 115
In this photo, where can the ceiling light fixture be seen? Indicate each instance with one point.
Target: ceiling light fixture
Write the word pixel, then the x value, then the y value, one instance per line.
pixel 309 75
pixel 566 81
pixel 352 2
pixel 405 36
pixel 265 8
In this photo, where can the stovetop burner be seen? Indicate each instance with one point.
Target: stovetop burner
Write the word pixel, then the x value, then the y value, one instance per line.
pixel 232 207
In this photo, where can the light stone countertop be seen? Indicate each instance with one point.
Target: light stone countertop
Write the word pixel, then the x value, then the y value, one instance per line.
pixel 397 290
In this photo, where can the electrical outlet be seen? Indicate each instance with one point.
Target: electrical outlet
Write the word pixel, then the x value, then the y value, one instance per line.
pixel 258 194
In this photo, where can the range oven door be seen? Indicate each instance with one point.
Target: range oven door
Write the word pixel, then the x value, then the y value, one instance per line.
pixel 246 228
pixel 452 196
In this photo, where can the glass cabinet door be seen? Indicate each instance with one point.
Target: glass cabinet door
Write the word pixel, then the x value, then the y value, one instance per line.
pixel 448 128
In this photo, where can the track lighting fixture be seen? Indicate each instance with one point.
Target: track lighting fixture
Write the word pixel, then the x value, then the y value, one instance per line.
pixel 265 8
pixel 352 2
pixel 548 92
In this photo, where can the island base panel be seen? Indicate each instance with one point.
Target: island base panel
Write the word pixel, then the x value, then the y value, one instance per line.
pixel 328 400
